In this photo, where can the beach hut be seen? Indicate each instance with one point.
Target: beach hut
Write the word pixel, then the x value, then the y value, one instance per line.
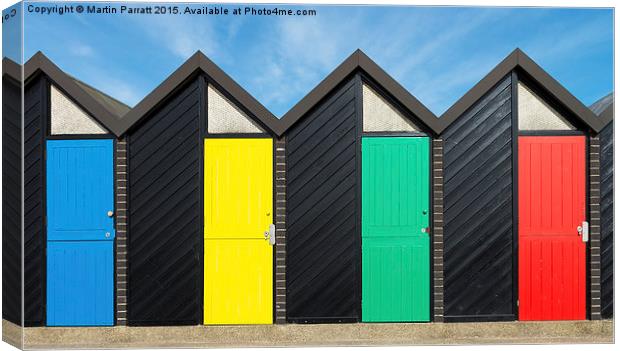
pixel 521 200
pixel 69 139
pixel 200 202
pixel 359 200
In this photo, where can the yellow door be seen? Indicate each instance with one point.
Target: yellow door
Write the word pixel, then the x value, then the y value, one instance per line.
pixel 238 211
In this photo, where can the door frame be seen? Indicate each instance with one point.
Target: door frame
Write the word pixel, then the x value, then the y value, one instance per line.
pixel 431 222
pixel 47 137
pixel 586 136
pixel 430 210
pixel 206 136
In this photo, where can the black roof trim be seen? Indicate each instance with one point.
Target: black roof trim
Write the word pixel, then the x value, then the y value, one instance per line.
pixel 519 60
pixel 109 111
pixel 359 60
pixel 11 69
pixel 199 62
pixel 90 101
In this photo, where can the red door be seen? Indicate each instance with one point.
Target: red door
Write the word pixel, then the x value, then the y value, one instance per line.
pixel 552 255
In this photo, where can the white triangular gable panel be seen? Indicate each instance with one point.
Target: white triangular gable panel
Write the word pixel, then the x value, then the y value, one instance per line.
pixel 68 118
pixel 381 116
pixel 225 117
pixel 536 114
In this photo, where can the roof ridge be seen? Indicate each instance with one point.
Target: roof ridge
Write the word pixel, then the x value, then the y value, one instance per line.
pixel 358 60
pixel 518 59
pixel 199 62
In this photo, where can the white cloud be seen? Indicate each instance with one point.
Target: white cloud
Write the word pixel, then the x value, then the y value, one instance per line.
pixel 180 36
pixel 574 40
pixel 81 50
pixel 296 54
pixel 300 52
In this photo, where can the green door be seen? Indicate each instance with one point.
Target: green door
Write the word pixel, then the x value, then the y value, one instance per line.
pixel 395 235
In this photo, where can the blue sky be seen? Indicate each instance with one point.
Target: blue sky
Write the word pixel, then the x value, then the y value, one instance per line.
pixel 437 53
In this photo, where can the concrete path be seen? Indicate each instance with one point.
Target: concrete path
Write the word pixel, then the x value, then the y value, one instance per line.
pixel 313 335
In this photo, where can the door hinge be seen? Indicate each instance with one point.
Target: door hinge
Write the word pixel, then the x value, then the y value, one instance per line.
pixel 517 303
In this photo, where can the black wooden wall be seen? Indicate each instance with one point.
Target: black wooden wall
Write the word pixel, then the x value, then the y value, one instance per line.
pixel 478 211
pixel 11 201
pixel 607 220
pixel 36 115
pixel 165 213
pixel 323 247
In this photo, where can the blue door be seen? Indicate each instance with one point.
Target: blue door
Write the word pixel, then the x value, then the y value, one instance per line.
pixel 80 233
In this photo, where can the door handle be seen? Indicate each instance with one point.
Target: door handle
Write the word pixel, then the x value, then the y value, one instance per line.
pixel 584 231
pixel 270 234
pixel 110 213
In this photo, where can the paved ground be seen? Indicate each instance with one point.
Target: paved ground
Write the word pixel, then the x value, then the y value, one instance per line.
pixel 313 335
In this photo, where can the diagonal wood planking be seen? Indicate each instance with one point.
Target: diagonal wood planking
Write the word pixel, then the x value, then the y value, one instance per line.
pixel 323 252
pixel 165 217
pixel 478 213
pixel 35 117
pixel 11 201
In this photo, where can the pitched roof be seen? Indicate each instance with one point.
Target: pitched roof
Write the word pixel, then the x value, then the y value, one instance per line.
pixel 119 118
pixel 604 108
pixel 602 104
pixel 608 114
pixel 199 62
pixel 116 107
pixel 359 61
pixel 11 69
pixel 103 108
pixel 519 60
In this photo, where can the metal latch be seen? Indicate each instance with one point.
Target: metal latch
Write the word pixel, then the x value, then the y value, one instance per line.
pixel 584 231
pixel 271 234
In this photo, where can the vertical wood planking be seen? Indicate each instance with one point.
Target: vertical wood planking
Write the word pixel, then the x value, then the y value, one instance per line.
pixel 395 240
pixel 80 267
pixel 551 207
pixel 238 211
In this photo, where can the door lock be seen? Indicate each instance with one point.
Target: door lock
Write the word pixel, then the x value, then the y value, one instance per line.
pixel 271 234
pixel 584 231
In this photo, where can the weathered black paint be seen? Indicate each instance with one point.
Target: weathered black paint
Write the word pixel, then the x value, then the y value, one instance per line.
pixel 11 201
pixel 478 210
pixel 607 221
pixel 165 217
pixel 323 248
